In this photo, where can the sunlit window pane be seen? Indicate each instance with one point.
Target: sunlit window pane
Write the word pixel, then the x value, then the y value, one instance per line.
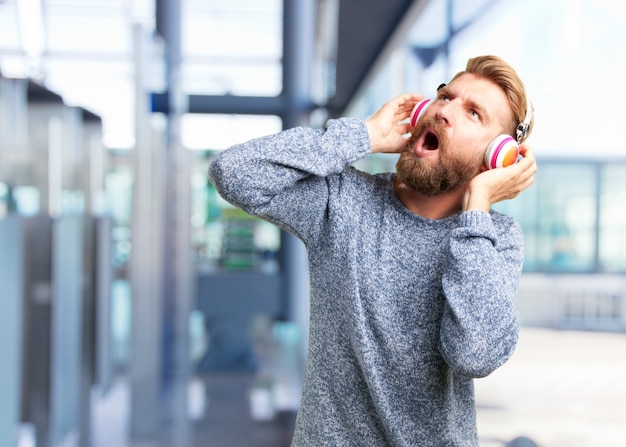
pixel 219 131
pixel 558 216
pixel 232 50
pixel 612 251
pixel 567 217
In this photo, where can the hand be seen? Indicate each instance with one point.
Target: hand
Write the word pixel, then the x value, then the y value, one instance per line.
pixel 385 127
pixel 495 185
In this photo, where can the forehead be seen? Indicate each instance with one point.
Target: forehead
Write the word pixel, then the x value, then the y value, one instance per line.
pixel 484 93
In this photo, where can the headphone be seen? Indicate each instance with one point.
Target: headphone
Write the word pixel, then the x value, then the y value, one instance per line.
pixel 503 150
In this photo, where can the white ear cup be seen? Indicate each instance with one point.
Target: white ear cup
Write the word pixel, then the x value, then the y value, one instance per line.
pixel 419 110
pixel 502 151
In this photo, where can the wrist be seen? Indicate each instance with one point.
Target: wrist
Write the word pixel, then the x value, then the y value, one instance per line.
pixel 474 201
pixel 373 133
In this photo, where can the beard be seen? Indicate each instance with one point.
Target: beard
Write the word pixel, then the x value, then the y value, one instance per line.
pixel 419 174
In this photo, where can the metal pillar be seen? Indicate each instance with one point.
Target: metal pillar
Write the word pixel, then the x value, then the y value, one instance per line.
pixel 145 263
pixel 298 55
pixel 177 268
pixel 11 346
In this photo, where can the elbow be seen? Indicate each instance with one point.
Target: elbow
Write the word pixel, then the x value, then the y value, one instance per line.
pixel 216 173
pixel 223 175
pixel 236 185
pixel 478 357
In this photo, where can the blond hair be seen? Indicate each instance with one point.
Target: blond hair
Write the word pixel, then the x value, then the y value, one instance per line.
pixel 503 74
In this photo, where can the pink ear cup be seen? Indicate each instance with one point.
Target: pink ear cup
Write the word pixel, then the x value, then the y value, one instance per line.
pixel 502 151
pixel 419 110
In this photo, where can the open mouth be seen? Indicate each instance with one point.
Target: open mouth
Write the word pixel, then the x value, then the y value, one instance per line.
pixel 431 141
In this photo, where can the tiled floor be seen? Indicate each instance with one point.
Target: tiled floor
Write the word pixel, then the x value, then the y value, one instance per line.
pixel 227 421
pixel 560 389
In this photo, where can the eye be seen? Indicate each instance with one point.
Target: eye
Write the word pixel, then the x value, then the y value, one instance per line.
pixel 474 114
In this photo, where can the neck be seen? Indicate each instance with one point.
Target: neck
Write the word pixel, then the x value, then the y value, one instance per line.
pixel 430 207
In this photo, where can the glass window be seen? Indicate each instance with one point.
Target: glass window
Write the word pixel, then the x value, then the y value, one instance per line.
pixel 232 48
pixel 219 131
pixel 559 218
pixel 612 236
pixel 4 200
pixel 119 196
pixel 567 217
pixel 525 209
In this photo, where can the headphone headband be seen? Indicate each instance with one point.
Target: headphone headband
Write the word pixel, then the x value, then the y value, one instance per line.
pixel 522 128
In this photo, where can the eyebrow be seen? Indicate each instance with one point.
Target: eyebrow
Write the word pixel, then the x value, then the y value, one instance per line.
pixel 447 91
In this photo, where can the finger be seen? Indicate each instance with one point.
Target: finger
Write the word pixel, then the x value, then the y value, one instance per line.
pixel 411 97
pixel 526 173
pixel 527 151
pixel 526 179
pixel 406 101
pixel 527 162
pixel 404 128
pixel 530 164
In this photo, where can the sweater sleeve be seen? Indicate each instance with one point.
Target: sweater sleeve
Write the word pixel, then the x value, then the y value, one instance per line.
pixel 282 177
pixel 479 328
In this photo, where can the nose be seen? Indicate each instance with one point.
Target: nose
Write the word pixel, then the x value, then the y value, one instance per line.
pixel 445 112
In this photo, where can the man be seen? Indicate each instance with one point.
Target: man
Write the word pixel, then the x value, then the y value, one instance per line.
pixel 413 277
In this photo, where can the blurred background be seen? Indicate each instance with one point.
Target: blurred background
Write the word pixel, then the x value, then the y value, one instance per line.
pixel 140 309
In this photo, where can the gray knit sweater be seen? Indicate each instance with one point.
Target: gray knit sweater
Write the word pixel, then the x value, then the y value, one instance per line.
pixel 405 311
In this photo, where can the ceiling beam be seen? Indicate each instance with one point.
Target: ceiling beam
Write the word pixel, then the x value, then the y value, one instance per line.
pixel 368 29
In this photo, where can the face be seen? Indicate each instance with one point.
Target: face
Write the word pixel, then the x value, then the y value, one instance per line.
pixel 447 146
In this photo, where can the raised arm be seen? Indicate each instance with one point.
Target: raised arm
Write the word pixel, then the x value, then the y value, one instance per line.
pixel 281 177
